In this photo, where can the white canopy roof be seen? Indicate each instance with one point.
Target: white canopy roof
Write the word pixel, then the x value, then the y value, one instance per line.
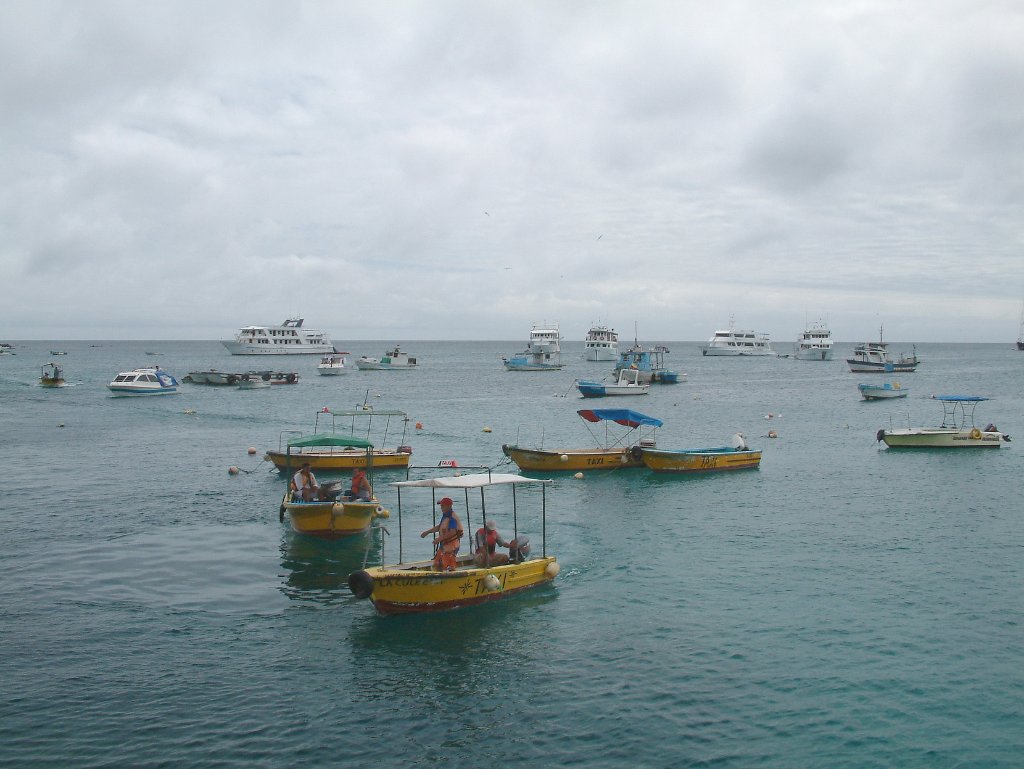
pixel 471 481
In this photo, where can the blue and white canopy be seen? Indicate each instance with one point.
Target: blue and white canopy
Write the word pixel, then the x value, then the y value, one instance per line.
pixel 626 417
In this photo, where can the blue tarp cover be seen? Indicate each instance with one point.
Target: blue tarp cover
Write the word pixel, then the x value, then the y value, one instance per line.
pixel 625 417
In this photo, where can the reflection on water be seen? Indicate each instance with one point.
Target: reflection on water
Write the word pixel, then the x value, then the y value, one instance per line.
pixel 317 569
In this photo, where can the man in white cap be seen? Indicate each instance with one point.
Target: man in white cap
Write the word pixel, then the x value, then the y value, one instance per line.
pixel 484 542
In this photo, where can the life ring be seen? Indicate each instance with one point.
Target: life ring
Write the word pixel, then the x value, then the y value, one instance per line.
pixel 290 379
pixel 360 583
pixel 975 433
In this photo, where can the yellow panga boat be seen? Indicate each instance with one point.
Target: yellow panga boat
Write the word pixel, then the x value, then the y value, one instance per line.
pixel 609 453
pixel 291 454
pixel 332 519
pixel 409 587
pixel 329 517
pixel 708 460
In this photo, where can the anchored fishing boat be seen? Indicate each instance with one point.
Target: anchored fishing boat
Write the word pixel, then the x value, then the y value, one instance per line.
pixel 873 392
pixel 649 362
pixel 611 452
pixel 738 456
pixel 329 516
pixel 874 357
pixel 418 586
pixel 392 360
pixel 358 425
pixel 601 344
pixel 628 383
pixel 957 430
pixel 542 353
pixel 332 365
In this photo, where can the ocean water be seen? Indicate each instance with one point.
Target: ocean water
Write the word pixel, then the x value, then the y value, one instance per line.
pixel 842 606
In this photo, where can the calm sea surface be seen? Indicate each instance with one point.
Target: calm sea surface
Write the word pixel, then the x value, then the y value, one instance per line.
pixel 843 606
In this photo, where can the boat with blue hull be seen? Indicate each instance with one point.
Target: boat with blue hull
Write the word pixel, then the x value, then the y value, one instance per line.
pixel 542 353
pixel 628 383
pixel 877 392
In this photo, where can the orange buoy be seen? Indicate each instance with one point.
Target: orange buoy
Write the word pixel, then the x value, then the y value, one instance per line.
pixel 232 470
pixel 251 450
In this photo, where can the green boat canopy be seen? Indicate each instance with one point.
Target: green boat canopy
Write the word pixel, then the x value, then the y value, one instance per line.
pixel 333 439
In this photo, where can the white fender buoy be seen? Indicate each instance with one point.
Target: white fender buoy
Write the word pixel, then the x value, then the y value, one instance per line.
pixel 552 569
pixel 772 434
pixel 578 476
pixel 487 429
pixel 251 450
pixel 563 458
pixel 232 470
pixel 492 583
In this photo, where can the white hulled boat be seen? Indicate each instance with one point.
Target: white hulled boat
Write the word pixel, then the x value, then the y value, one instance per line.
pixel 332 365
pixel 815 343
pixel 290 338
pixel 543 353
pixel 391 360
pixel 874 357
pixel 144 381
pixel 957 430
pixel 732 342
pixel 601 344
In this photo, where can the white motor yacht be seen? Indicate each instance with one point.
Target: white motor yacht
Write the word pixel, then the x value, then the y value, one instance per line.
pixel 290 338
pixel 144 381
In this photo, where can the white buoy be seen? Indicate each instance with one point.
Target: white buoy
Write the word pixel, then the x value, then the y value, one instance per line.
pixel 578 476
pixel 492 583
pixel 487 429
pixel 251 450
pixel 552 569
pixel 232 470
pixel 563 458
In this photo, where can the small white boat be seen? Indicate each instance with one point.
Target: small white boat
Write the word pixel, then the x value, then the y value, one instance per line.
pixel 628 383
pixel 290 338
pixel 601 344
pixel 815 343
pixel 393 360
pixel 732 342
pixel 953 433
pixel 253 381
pixel 144 381
pixel 876 392
pixel 333 364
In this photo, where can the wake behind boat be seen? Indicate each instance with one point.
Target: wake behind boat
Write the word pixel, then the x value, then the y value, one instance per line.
pixel 290 338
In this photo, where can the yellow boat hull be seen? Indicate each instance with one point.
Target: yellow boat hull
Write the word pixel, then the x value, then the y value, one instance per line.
pixel 337 460
pixel 697 461
pixel 571 459
pixel 332 520
pixel 415 587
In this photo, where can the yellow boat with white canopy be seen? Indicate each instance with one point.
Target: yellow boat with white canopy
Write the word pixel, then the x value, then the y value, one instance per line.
pixel 416 586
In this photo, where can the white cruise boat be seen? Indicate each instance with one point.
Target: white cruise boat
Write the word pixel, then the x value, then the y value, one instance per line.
pixel 144 381
pixel 733 342
pixel 601 344
pixel 815 343
pixel 290 338
pixel 543 353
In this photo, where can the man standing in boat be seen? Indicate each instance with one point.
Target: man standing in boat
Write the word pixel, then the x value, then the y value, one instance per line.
pixel 449 536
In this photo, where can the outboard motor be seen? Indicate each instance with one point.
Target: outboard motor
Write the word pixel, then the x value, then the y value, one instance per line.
pixel 880 435
pixel 519 549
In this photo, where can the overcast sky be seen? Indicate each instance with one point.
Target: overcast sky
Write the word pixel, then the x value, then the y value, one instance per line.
pixel 461 170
